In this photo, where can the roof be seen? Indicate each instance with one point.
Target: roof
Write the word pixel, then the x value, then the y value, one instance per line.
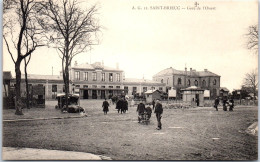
pixel 224 89
pixel 193 88
pixel 96 65
pixel 42 77
pixel 134 80
pixel 151 91
pixel 7 75
pixel 171 71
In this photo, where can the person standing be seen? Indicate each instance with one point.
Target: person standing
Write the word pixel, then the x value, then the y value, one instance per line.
pixel 140 109
pixel 158 111
pixel 216 103
pixel 231 106
pixel 119 105
pixel 105 106
pixel 153 103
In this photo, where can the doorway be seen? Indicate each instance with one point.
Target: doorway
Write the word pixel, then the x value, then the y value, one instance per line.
pixel 85 94
pixel 102 94
pixel 94 94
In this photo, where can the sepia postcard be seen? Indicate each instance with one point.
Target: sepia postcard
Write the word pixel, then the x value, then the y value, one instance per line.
pixel 130 80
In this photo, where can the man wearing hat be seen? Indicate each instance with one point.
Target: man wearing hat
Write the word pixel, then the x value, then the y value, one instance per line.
pixel 158 111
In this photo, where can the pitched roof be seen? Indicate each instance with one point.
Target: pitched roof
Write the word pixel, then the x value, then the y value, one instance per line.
pixel 224 89
pixel 171 71
pixel 151 91
pixel 96 65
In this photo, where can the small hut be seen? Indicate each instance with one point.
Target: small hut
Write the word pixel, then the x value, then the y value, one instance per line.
pixel 194 95
pixel 150 95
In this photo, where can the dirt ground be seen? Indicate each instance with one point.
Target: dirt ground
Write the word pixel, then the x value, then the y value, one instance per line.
pixel 187 134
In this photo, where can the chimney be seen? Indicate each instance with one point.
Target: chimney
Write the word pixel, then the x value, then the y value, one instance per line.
pixel 75 63
pixel 190 69
pixel 185 69
pixel 206 70
pixel 117 65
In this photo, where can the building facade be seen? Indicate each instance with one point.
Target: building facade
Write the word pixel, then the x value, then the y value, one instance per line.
pixel 179 79
pixel 91 81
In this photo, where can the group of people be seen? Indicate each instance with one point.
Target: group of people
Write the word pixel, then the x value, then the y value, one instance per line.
pixel 142 110
pixel 226 103
pixel 121 104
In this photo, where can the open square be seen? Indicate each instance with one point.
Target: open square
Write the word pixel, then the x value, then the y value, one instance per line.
pixel 187 134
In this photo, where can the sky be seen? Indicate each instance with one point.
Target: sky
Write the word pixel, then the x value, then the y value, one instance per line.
pixel 147 40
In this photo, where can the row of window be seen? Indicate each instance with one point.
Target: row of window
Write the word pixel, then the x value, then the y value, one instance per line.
pixel 94 76
pixel 54 87
pixel 196 83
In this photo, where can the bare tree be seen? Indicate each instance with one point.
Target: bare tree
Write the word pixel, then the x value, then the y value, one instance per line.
pixel 71 30
pixel 22 35
pixel 252 38
pixel 251 82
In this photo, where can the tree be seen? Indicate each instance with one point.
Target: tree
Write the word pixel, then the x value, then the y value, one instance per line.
pixel 251 82
pixel 22 36
pixel 252 38
pixel 71 30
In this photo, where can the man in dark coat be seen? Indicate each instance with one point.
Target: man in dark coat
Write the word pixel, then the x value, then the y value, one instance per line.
pixel 231 104
pixel 125 106
pixel 105 106
pixel 158 111
pixel 140 109
pixel 153 103
pixel 216 103
pixel 119 105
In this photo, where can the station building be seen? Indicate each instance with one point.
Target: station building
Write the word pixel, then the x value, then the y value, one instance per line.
pixel 91 81
pixel 181 79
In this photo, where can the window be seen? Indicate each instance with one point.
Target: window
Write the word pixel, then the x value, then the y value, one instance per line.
pixel 134 89
pixel 103 86
pixel 111 77
pixel 188 82
pixel 54 88
pixel 118 77
pixel 196 83
pixel 214 82
pixel 85 75
pixel 144 89
pixel 179 80
pixel 110 86
pixel 77 86
pixel 94 76
pixel 117 87
pixel 126 88
pixel 103 77
pixel 77 75
pixel 63 89
pixel 162 81
pixel 85 86
pixel 160 88
pixel 204 83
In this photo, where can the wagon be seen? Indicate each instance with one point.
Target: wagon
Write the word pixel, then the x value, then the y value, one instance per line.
pixel 73 103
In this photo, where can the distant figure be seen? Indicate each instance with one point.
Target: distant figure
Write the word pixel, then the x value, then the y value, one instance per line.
pixel 124 106
pixel 119 105
pixel 158 111
pixel 140 109
pixel 105 106
pixel 216 103
pixel 153 103
pixel 132 103
pixel 197 101
pixel 224 104
pixel 231 104
pixel 148 111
